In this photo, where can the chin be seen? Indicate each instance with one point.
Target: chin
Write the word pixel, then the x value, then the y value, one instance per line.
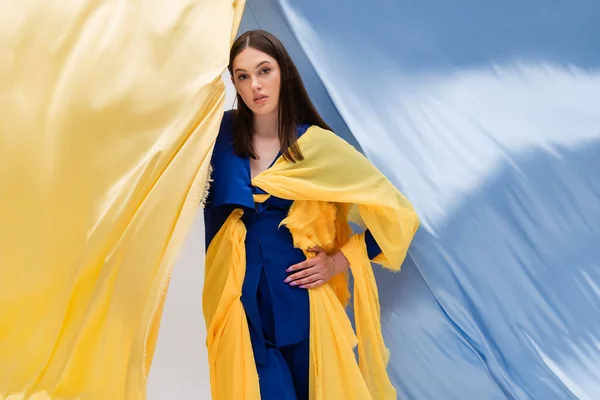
pixel 262 110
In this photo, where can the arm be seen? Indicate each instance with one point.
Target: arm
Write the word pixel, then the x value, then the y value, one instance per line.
pixel 340 262
pixel 214 217
pixel 316 271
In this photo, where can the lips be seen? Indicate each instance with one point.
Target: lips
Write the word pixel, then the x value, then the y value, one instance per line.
pixel 261 98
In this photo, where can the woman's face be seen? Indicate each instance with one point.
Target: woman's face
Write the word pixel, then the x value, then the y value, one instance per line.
pixel 257 79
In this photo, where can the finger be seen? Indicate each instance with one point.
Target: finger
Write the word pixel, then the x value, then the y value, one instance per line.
pixel 302 265
pixel 313 285
pixel 302 274
pixel 306 281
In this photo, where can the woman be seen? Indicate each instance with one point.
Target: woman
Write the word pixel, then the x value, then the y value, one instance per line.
pixel 281 291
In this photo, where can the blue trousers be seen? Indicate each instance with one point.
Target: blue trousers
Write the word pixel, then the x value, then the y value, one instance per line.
pixel 284 376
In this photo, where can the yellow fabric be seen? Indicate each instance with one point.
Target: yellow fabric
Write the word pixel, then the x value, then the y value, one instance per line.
pixel 109 113
pixel 228 333
pixel 324 186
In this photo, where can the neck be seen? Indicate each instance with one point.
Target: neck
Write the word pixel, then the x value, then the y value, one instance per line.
pixel 267 125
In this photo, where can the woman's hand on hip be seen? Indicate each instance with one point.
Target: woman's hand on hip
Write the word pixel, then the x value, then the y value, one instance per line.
pixel 318 270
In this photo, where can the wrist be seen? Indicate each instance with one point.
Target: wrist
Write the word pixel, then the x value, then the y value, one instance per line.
pixel 340 262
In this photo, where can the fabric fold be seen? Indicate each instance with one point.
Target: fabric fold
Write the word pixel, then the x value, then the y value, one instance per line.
pixel 109 114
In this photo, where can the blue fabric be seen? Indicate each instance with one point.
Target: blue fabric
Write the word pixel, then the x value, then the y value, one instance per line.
pixel 269 249
pixel 275 309
pixel 485 114
pixel 278 314
pixel 284 374
pixel 373 249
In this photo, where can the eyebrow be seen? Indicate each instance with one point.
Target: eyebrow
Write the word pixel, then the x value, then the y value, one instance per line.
pixel 258 65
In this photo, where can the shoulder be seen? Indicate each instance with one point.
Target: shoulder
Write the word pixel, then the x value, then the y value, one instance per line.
pixel 302 129
pixel 323 137
pixel 230 176
pixel 320 142
pixel 315 133
pixel 224 141
pixel 228 116
pixel 316 130
pixel 226 127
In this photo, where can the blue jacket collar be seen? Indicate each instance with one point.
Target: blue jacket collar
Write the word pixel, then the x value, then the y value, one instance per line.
pixel 231 184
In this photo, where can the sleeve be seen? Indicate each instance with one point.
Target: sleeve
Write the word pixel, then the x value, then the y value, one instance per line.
pixel 215 215
pixel 209 224
pixel 373 249
pixel 214 218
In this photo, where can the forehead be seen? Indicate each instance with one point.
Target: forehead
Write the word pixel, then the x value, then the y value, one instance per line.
pixel 249 58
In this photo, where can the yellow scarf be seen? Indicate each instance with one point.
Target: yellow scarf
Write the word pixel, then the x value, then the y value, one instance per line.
pixel 109 114
pixel 325 186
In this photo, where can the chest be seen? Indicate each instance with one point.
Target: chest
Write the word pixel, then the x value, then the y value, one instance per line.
pixel 267 151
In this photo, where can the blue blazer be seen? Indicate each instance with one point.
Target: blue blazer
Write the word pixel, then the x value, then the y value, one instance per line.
pixel 278 314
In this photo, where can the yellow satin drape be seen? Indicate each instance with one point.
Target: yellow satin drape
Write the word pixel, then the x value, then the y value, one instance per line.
pixel 332 177
pixel 108 114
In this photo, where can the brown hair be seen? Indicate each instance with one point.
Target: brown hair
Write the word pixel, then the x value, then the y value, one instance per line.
pixel 295 107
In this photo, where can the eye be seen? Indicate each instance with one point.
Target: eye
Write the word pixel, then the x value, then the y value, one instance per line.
pixel 241 77
pixel 265 70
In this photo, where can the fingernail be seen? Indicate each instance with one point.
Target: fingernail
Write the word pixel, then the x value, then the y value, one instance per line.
pixel 289 269
pixel 302 287
pixel 293 284
pixel 287 280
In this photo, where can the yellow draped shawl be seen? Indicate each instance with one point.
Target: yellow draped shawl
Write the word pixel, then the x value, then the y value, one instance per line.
pixel 325 186
pixel 109 111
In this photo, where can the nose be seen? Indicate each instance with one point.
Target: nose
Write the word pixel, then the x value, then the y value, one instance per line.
pixel 256 85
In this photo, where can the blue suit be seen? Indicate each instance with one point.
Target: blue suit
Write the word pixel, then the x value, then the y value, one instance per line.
pixel 278 314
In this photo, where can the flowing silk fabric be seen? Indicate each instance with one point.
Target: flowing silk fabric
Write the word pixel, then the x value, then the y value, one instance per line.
pixel 109 111
pixel 332 177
